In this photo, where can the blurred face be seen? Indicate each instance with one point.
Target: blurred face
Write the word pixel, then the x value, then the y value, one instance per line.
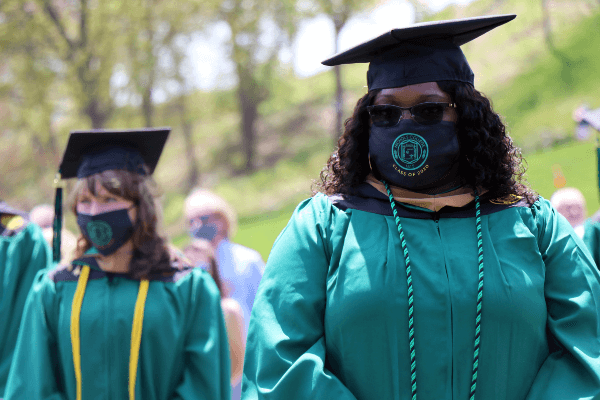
pixel 411 95
pixel 573 211
pixel 103 202
pixel 211 227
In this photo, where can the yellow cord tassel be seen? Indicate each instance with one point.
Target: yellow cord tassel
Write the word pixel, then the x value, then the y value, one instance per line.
pixel 136 336
pixel 136 331
pixel 75 311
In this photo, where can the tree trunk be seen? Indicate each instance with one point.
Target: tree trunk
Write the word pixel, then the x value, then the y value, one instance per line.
pixel 97 116
pixel 147 106
pixel 547 26
pixel 339 102
pixel 193 173
pixel 339 89
pixel 565 62
pixel 249 111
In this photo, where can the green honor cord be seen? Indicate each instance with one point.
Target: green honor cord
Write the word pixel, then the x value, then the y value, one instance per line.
pixel 411 327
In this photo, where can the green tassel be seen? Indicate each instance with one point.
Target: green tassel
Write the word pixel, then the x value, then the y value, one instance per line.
pixel 57 225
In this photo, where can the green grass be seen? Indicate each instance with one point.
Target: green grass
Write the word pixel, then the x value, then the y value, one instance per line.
pixel 576 160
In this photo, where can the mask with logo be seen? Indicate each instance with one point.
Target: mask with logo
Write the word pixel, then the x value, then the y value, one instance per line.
pixel 414 156
pixel 106 231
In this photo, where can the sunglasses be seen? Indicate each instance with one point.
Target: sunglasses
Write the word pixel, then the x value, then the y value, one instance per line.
pixel 387 115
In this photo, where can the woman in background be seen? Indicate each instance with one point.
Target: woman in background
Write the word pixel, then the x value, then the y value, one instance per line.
pixel 201 254
pixel 126 319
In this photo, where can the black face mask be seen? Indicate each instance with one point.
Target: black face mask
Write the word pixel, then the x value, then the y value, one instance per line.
pixel 415 156
pixel 107 231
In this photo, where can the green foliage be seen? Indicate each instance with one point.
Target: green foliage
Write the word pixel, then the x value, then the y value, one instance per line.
pixel 578 164
pixel 535 91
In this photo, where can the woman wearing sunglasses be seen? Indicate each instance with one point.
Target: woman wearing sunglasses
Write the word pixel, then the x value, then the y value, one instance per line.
pixel 425 269
pixel 127 319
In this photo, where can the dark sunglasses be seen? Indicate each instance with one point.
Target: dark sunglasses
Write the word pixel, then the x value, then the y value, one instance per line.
pixel 387 115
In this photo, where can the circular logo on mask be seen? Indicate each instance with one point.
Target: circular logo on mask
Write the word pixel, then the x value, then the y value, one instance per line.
pixel 100 233
pixel 410 151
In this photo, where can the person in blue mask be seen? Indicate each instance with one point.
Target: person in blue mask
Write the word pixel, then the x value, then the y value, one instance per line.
pixel 128 318
pixel 209 217
pixel 425 268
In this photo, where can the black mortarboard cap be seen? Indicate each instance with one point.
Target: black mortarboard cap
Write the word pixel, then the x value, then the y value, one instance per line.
pixel 95 151
pixel 424 52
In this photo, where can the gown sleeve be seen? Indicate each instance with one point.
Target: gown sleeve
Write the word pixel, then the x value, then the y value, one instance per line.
pixel 206 374
pixel 285 353
pixel 21 257
pixel 591 238
pixel 34 370
pixel 572 291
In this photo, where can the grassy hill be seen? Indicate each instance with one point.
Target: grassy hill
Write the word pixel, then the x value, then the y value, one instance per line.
pixel 535 90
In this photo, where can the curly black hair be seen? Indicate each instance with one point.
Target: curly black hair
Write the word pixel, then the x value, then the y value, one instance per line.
pixel 489 159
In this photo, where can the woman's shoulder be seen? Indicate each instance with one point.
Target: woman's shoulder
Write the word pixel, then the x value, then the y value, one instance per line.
pixel 231 307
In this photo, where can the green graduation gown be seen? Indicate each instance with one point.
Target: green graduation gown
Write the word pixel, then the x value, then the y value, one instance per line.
pixel 23 252
pixel 330 320
pixel 183 353
pixel 591 237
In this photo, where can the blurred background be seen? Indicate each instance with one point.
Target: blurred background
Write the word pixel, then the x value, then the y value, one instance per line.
pixel 254 114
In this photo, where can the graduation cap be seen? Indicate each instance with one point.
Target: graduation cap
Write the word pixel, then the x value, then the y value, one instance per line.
pixel 424 52
pixel 95 151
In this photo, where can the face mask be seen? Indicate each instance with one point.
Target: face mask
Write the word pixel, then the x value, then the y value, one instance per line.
pixel 415 156
pixel 204 231
pixel 107 231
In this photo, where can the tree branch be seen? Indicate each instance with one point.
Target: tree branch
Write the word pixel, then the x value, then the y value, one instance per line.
pixel 56 20
pixel 83 23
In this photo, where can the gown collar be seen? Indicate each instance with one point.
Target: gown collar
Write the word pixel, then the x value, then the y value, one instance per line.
pixel 433 202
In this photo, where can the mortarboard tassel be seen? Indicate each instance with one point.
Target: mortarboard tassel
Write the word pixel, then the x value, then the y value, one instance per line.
pixel 57 225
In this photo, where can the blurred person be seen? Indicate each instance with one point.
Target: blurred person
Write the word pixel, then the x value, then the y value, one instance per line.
pixel 425 268
pixel 201 254
pixel 68 243
pixel 570 203
pixel 43 215
pixel 23 253
pixel 210 217
pixel 127 318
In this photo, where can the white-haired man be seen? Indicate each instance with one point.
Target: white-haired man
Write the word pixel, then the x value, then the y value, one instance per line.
pixel 210 217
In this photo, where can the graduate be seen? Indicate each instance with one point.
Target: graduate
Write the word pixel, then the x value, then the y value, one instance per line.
pixel 126 319
pixel 424 268
pixel 23 253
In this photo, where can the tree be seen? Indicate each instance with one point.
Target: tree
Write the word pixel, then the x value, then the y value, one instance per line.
pixel 259 28
pixel 79 41
pixel 340 11
pixel 562 58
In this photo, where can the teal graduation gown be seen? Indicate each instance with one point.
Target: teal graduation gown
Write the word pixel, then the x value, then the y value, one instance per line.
pixel 23 252
pixel 591 237
pixel 183 354
pixel 330 320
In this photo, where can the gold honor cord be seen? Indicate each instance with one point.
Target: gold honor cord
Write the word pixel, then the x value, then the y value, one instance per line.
pixel 136 330
pixel 136 335
pixel 75 311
